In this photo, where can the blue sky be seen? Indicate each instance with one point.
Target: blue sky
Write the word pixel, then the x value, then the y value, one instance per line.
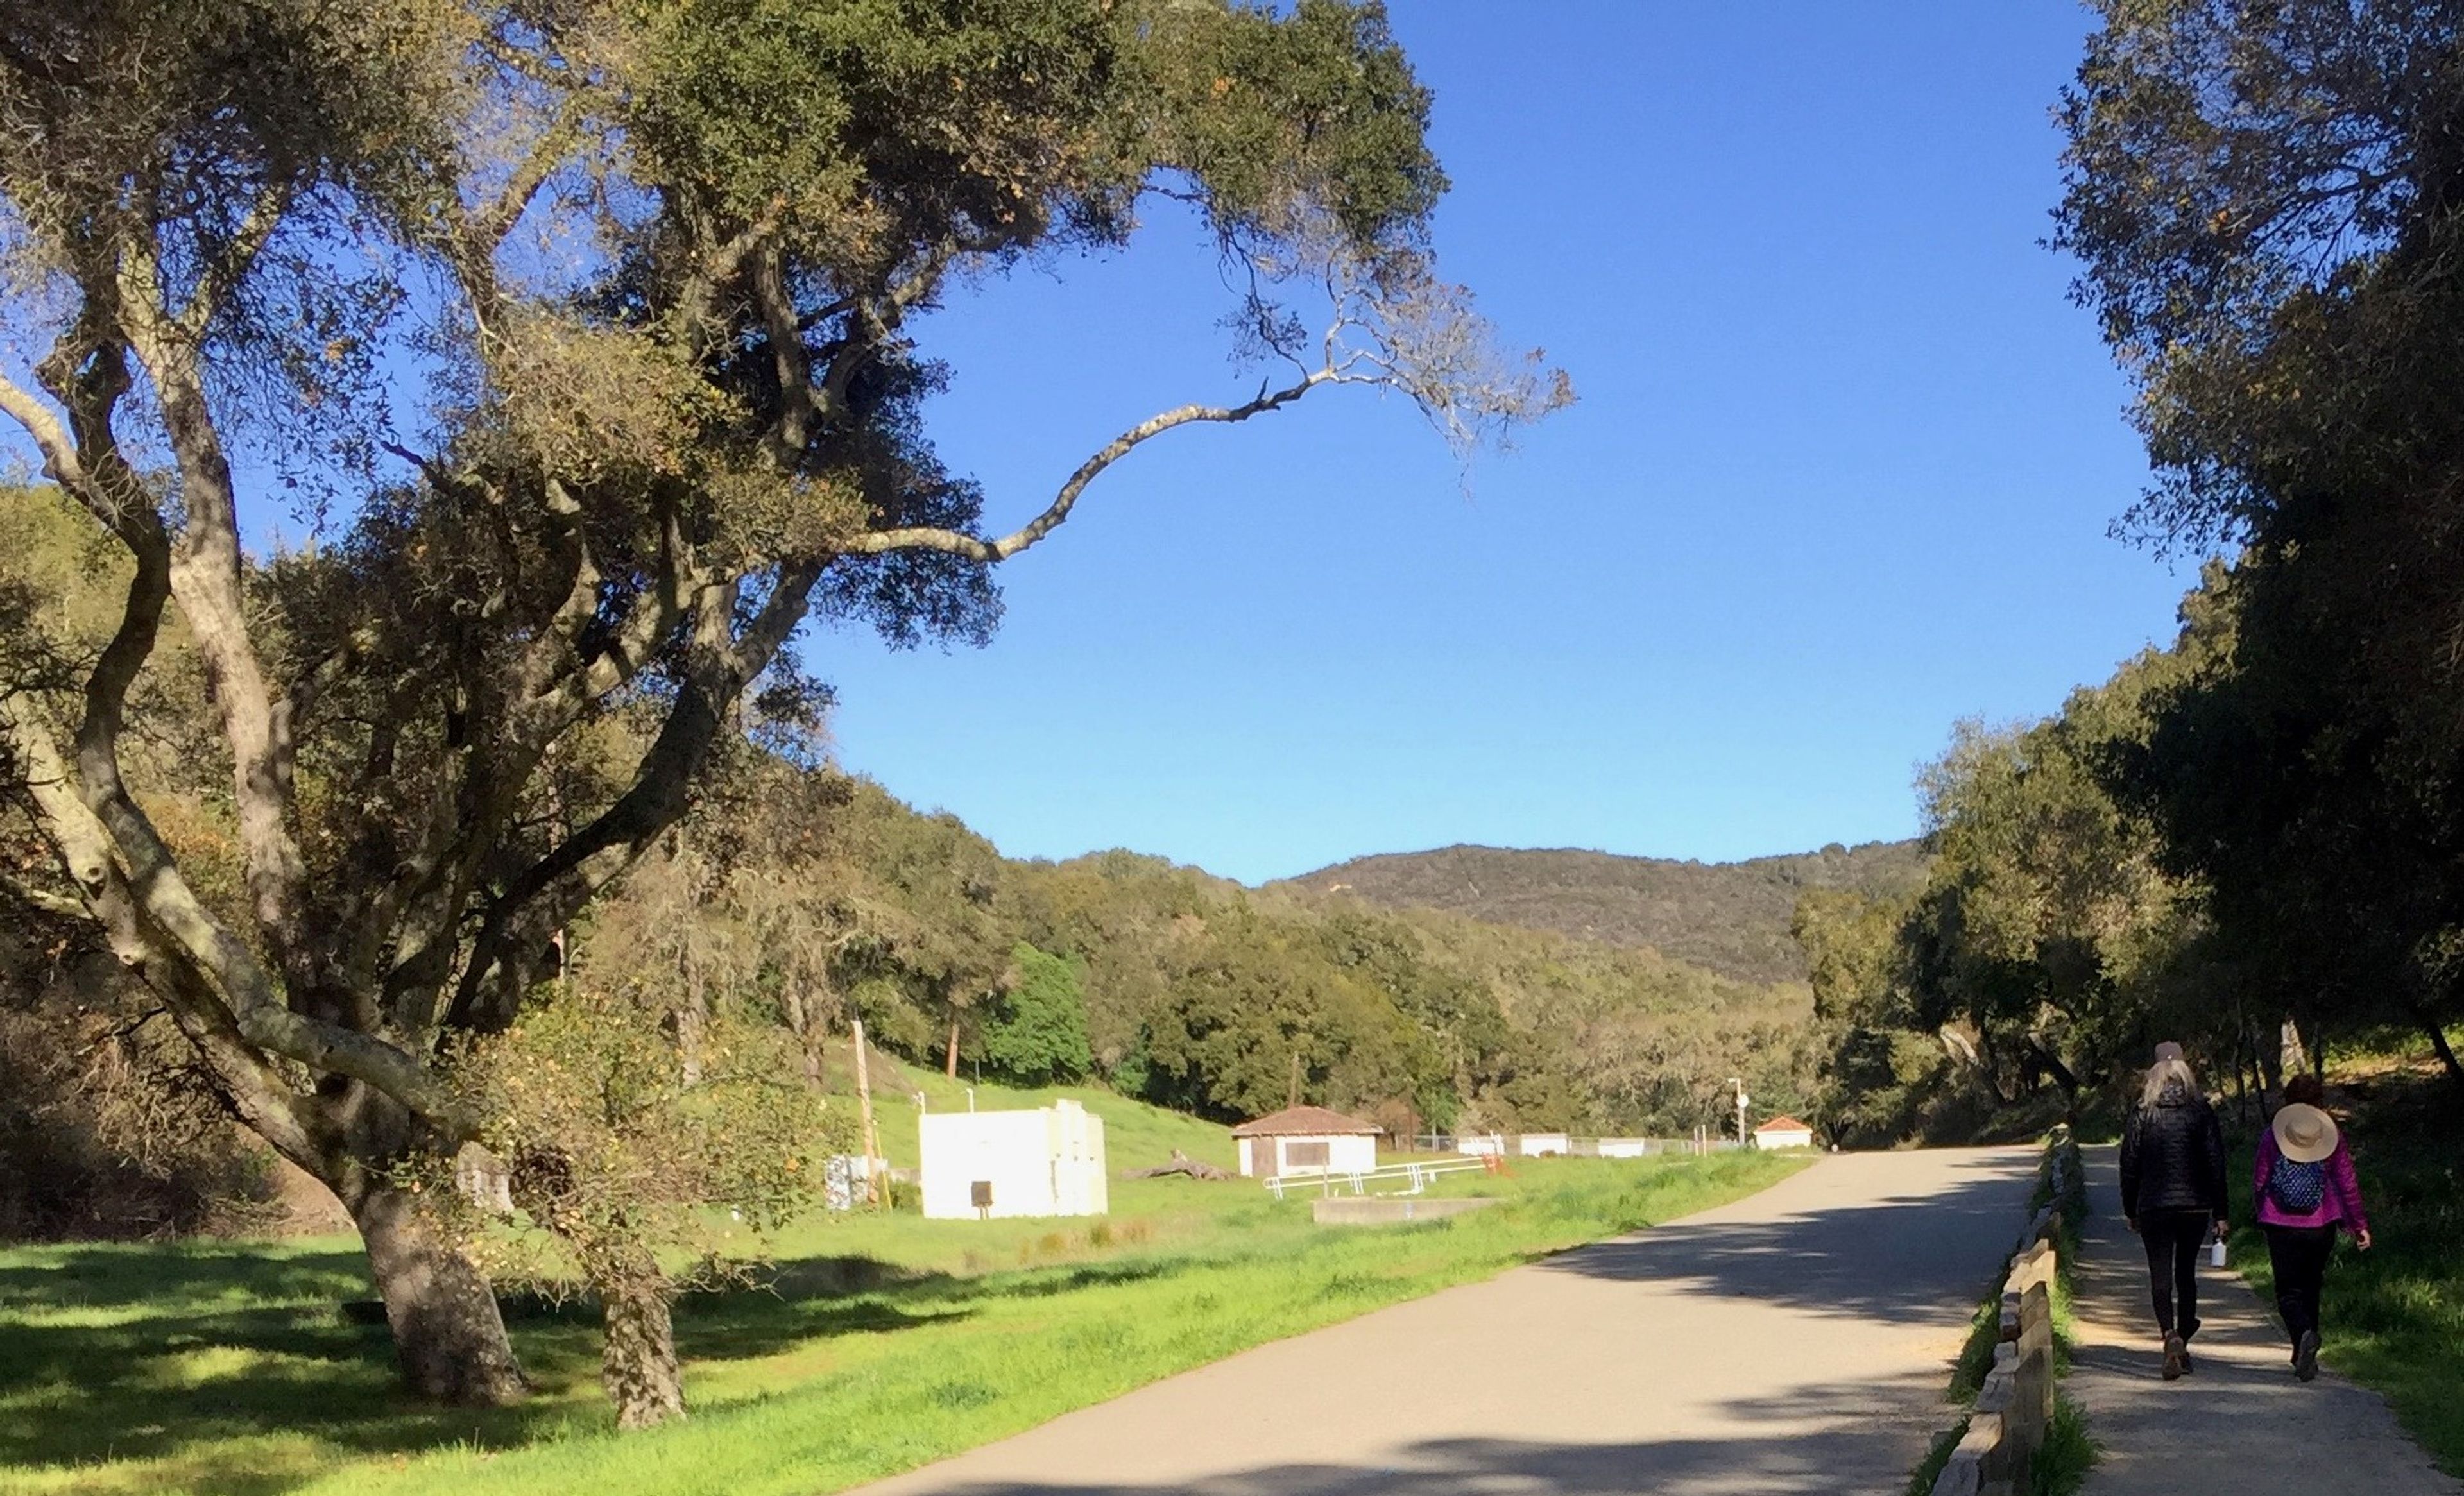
pixel 1841 474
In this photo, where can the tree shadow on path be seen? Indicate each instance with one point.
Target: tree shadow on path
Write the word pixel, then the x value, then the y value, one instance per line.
pixel 1891 1258
pixel 1834 1440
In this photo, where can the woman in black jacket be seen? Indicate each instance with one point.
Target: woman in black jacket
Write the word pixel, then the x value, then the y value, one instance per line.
pixel 2173 1193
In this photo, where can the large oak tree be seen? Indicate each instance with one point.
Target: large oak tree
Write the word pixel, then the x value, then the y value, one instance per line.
pixel 2268 200
pixel 581 327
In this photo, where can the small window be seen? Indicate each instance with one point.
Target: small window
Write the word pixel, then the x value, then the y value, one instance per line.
pixel 1304 1156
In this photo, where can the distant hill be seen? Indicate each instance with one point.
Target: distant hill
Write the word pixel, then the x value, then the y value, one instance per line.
pixel 1729 917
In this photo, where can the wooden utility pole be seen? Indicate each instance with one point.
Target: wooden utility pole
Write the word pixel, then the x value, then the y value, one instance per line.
pixel 1293 1097
pixel 863 1102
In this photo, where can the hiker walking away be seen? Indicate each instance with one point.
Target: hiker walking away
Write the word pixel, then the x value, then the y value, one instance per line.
pixel 2173 1193
pixel 2305 1190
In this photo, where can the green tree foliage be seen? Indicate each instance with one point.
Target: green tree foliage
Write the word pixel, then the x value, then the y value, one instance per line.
pixel 1037 1035
pixel 625 1163
pixel 1881 1071
pixel 2049 942
pixel 2261 824
pixel 2270 204
pixel 654 405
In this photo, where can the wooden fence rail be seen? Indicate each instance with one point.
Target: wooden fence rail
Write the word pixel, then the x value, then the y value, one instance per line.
pixel 2015 1404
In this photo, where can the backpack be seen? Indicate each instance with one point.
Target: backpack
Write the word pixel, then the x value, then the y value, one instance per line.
pixel 2296 1188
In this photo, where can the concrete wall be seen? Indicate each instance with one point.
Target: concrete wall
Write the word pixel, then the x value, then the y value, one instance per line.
pixel 1045 1162
pixel 1785 1137
pixel 1535 1145
pixel 1380 1210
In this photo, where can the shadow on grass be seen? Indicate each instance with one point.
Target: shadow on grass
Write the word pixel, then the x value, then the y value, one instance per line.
pixel 176 1277
pixel 251 1367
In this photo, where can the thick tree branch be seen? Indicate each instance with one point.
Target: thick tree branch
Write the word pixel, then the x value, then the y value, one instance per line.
pixel 45 900
pixel 489 228
pixel 60 456
pixel 718 673
pixel 224 275
pixel 205 571
pixel 162 930
pixel 791 364
pixel 915 538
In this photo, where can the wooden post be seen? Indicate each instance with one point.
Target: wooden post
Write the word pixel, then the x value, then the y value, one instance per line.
pixel 863 1102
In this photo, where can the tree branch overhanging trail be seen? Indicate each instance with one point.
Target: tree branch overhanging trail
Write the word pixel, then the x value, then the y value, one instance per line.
pixel 990 552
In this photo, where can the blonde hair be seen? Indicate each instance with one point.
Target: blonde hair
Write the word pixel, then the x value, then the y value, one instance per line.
pixel 2163 1070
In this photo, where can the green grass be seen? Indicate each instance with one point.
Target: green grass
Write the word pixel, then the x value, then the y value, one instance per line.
pixel 1984 1335
pixel 2064 1459
pixel 1930 1469
pixel 886 1342
pixel 2393 1316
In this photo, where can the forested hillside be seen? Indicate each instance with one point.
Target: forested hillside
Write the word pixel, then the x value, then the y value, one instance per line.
pixel 1728 917
pixel 795 899
pixel 824 898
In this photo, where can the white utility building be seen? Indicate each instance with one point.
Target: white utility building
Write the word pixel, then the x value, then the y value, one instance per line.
pixel 1306 1140
pixel 1045 1162
pixel 1783 1132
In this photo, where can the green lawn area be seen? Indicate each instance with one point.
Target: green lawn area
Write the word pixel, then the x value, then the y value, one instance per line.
pixel 2394 1315
pixel 884 1342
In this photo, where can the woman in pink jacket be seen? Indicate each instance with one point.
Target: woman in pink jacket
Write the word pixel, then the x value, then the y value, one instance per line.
pixel 2305 1190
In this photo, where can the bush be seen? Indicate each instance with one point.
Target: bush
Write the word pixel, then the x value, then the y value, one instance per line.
pixel 1037 1034
pixel 106 1131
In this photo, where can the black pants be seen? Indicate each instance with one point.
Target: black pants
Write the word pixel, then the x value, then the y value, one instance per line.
pixel 2173 1239
pixel 2299 1255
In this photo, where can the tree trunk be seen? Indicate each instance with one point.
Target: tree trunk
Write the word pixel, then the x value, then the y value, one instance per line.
pixel 2290 1054
pixel 951 1066
pixel 2053 1062
pixel 803 1019
pixel 637 1364
pixel 447 1331
pixel 692 1019
pixel 2437 1033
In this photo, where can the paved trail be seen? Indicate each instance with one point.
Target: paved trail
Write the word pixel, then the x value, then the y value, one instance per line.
pixel 2240 1423
pixel 1796 1342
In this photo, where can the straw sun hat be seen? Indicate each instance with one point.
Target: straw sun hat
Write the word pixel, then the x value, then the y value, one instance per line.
pixel 2305 1134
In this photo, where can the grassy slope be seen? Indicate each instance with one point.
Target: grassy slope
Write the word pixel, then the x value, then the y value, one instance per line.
pixel 1135 1134
pixel 2393 1316
pixel 225 1369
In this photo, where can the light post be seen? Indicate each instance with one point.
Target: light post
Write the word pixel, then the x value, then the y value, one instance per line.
pixel 1741 1099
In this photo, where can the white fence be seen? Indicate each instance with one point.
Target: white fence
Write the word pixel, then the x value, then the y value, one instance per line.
pixel 1545 1145
pixel 1413 1177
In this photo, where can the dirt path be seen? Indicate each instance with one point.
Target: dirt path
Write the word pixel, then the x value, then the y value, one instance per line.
pixel 1797 1341
pixel 2239 1423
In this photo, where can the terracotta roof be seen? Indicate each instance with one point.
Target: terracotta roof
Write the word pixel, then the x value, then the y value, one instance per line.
pixel 1305 1121
pixel 1784 1125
